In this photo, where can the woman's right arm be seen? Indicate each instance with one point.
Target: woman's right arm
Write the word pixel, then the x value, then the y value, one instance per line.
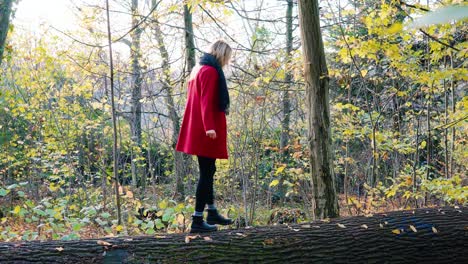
pixel 209 85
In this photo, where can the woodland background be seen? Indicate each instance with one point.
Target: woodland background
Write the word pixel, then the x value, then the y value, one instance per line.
pixel 397 98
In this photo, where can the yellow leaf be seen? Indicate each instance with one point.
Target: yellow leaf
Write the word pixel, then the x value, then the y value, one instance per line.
pixel 363 73
pixel 413 228
pixel 274 183
pixel 364 226
pixel 341 226
pixel 119 228
pixel 396 231
pixel 280 170
pixel 162 204
pixel 17 209
pixel 395 28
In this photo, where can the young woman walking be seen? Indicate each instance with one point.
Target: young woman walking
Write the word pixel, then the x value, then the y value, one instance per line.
pixel 203 132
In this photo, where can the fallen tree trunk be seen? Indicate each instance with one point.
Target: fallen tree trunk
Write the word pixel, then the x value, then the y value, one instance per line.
pixel 419 236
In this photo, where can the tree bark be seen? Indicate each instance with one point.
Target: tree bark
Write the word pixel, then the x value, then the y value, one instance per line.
pixel 189 39
pixel 114 117
pixel 135 120
pixel 423 236
pixel 284 141
pixel 5 11
pixel 317 85
pixel 181 161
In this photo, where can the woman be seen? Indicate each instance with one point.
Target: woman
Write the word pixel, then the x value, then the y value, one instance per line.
pixel 203 132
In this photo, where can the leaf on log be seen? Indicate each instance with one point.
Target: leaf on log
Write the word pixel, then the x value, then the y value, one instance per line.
pixel 364 226
pixel 341 225
pixel 209 239
pixel 103 243
pixel 413 228
pixel 268 241
pixel 434 230
pixel 396 231
pixel 188 238
pixel 60 249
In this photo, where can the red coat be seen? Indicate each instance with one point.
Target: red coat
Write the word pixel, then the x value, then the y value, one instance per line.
pixel 202 113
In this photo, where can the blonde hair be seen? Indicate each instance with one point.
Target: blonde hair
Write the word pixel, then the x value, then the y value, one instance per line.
pixel 222 52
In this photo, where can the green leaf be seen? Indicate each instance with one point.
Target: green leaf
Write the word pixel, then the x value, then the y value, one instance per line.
pixel 150 224
pixel 77 227
pixel 105 215
pixel 159 224
pixel 3 192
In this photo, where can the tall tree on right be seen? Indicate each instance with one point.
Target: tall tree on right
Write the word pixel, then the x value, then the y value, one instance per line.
pixel 318 108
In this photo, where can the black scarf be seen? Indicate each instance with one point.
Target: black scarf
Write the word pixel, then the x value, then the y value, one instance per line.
pixel 210 60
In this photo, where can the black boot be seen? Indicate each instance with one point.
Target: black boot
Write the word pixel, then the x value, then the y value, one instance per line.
pixel 200 226
pixel 215 218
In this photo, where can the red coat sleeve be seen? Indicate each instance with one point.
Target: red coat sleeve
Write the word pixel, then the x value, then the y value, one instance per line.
pixel 209 88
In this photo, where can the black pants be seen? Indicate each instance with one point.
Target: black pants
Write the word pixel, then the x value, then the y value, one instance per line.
pixel 204 194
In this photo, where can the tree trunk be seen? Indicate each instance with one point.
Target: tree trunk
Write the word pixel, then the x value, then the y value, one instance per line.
pixel 114 120
pixel 189 40
pixel 316 79
pixel 287 79
pixel 181 161
pixel 420 236
pixel 135 120
pixel 5 11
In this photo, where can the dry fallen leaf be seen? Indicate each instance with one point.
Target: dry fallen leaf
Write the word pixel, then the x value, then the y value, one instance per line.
pixel 316 226
pixel 305 226
pixel 326 220
pixel 364 226
pixel 207 238
pixel 434 230
pixel 396 231
pixel 159 236
pixel 386 222
pixel 60 249
pixel 294 229
pixel 188 238
pixel 456 207
pixel 268 241
pixel 103 243
pixel 413 228
pixel 240 234
pixel 380 224
pixel 341 226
